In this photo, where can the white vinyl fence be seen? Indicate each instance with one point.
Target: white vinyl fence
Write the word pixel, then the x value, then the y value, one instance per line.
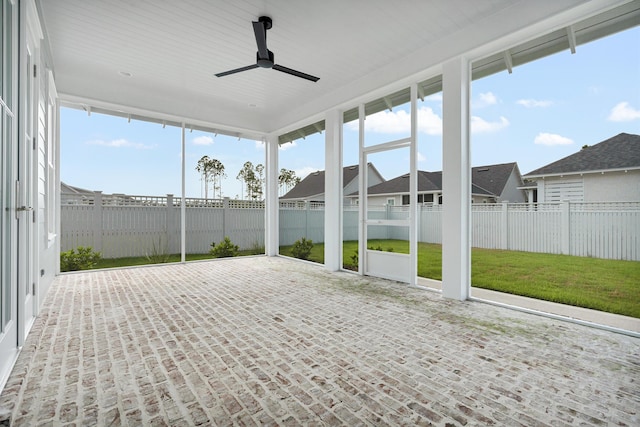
pixel 121 226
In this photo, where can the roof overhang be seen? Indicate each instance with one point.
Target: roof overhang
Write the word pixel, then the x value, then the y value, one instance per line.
pixel 171 52
pixel 581 173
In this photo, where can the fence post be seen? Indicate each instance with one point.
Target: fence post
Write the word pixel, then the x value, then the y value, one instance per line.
pixel 307 208
pixel 504 235
pixel 98 226
pixel 565 228
pixel 225 213
pixel 169 221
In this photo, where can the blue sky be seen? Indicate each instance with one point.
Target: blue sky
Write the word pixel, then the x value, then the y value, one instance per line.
pixel 543 111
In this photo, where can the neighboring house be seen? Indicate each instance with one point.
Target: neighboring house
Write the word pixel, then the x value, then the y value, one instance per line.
pixel 489 184
pixel 606 172
pixel 311 188
pixel 70 195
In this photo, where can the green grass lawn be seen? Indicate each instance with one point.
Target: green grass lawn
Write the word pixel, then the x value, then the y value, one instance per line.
pixel 607 285
pixel 141 260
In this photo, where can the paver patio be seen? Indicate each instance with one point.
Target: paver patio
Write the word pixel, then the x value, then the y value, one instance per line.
pixel 271 341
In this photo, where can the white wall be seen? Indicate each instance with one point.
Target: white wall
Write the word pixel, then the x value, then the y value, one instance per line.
pixel 596 187
pixel 612 187
pixel 511 193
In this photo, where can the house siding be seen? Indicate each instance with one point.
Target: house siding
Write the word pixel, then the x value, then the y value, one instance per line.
pixel 562 189
pixel 612 187
pixel 511 193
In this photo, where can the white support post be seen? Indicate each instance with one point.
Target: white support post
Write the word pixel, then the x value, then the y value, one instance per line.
pixel 413 189
pixel 565 227
pixel 98 222
pixel 183 203
pixel 504 223
pixel 456 180
pixel 333 191
pixel 272 203
pixel 362 189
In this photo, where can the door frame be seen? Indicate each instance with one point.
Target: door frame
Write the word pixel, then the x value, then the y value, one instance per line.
pixel 30 37
pixel 388 265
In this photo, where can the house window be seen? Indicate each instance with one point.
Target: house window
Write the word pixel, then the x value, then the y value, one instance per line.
pixel 391 201
pixel 406 199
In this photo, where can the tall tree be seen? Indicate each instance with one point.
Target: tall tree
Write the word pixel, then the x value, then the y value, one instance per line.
pixel 218 176
pixel 248 177
pixel 212 171
pixel 259 182
pixel 287 180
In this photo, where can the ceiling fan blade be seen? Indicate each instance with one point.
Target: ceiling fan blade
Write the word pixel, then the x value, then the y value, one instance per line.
pixel 260 30
pixel 295 73
pixel 237 70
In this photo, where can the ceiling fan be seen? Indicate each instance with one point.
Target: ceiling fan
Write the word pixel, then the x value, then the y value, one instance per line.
pixel 264 57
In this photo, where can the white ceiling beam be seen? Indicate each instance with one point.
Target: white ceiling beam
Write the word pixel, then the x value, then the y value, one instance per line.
pixel 571 35
pixel 421 93
pixel 318 127
pixel 388 103
pixel 508 62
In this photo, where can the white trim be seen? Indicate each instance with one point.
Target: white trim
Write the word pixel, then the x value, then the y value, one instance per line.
pixel 385 146
pixel 33 22
pixel 597 171
pixel 82 103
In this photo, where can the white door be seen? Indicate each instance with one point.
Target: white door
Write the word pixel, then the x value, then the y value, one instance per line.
pixel 8 194
pixel 380 263
pixel 25 210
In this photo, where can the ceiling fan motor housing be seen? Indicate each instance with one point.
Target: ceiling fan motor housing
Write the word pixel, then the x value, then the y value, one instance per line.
pixel 265 62
pixel 268 23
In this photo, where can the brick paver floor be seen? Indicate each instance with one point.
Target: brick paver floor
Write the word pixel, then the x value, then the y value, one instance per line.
pixel 271 341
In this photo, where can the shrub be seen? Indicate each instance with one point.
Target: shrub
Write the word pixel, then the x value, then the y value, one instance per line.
pixel 159 254
pixel 353 265
pixel 84 259
pixel 302 248
pixel 224 249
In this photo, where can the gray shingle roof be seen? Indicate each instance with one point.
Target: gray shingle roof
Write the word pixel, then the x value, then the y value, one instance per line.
pixel 313 184
pixel 486 180
pixel 619 152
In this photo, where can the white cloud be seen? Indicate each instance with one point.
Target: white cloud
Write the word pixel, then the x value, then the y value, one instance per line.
pixel 436 97
pixel 203 140
pixel 485 99
pixel 532 103
pixel 400 122
pixel 429 122
pixel 288 145
pixel 551 139
pixel 623 112
pixel 303 172
pixel 388 122
pixel 421 157
pixel 120 143
pixel 479 125
pixel 260 145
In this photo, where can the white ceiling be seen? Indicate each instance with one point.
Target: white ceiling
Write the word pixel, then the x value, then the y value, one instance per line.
pixel 173 48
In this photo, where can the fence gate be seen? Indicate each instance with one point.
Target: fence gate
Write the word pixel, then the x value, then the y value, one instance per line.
pixel 379 263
